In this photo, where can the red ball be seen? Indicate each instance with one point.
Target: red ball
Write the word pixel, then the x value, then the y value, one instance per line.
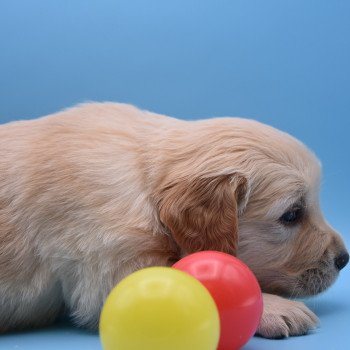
pixel 235 291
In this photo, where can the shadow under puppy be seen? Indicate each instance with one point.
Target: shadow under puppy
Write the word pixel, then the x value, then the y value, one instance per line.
pixel 93 193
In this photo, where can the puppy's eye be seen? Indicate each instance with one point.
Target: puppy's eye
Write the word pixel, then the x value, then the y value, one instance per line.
pixel 292 216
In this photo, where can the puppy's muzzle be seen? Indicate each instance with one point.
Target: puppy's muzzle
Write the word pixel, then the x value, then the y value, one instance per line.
pixel 341 260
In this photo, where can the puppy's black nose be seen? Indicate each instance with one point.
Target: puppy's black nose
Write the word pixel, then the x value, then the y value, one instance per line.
pixel 341 261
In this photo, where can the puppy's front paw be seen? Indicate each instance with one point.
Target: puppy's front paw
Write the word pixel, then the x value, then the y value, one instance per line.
pixel 282 318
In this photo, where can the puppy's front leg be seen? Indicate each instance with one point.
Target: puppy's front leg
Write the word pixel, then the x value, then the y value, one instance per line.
pixel 86 284
pixel 283 318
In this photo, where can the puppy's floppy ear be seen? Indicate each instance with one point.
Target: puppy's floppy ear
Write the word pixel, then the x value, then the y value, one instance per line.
pixel 202 213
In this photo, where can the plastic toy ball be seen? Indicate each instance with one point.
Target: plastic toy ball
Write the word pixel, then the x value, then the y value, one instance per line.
pixel 235 290
pixel 159 308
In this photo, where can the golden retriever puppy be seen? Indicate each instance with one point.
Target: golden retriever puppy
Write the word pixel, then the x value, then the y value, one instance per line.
pixel 93 193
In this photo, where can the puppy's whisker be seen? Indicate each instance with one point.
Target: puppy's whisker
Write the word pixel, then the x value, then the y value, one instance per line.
pixel 294 293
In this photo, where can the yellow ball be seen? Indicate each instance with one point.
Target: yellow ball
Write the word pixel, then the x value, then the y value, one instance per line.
pixel 159 308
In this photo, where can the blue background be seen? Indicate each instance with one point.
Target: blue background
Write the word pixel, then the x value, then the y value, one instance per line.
pixel 285 63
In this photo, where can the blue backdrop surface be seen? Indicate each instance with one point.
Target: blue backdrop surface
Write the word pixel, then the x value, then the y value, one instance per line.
pixel 285 63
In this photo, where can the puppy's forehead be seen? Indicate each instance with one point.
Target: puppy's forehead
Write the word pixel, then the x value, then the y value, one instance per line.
pixel 295 154
pixel 301 158
pixel 281 147
pixel 284 167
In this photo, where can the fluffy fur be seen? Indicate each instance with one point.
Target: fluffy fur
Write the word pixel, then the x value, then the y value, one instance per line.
pixel 93 193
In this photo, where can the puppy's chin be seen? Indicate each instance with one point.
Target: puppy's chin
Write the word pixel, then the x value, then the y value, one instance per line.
pixel 314 281
pixel 307 283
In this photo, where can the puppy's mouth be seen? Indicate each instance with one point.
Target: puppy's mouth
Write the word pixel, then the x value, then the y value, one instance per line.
pixel 316 280
pixel 310 282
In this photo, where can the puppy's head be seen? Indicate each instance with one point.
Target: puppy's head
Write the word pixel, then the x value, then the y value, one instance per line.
pixel 283 235
pixel 247 189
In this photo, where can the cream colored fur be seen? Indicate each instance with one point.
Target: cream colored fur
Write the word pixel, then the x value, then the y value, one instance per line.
pixel 93 193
